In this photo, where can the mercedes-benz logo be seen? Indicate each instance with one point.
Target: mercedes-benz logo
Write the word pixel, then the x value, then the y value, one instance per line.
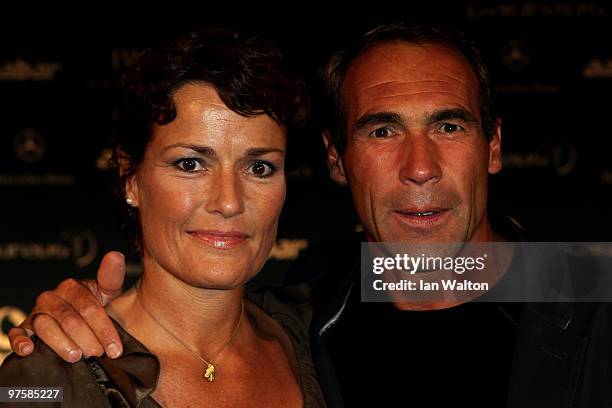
pixel 30 145
pixel 516 55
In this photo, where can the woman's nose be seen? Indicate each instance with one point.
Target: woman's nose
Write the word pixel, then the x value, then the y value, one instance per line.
pixel 225 197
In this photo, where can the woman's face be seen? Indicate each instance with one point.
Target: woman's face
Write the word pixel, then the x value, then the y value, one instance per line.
pixel 209 191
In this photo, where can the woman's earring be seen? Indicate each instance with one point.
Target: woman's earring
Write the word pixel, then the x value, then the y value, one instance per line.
pixel 130 202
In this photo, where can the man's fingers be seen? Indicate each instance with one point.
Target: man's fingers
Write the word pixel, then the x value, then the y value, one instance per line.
pixel 100 324
pixel 72 322
pixel 51 333
pixel 71 319
pixel 86 322
pixel 111 275
pixel 20 341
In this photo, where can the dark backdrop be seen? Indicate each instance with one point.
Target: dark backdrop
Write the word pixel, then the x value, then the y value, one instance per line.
pixel 552 63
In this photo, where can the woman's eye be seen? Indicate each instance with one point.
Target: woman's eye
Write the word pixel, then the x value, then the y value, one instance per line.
pixel 381 132
pixel 450 128
pixel 262 168
pixel 189 165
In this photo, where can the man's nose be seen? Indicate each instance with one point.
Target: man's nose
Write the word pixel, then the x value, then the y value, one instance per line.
pixel 420 161
pixel 225 195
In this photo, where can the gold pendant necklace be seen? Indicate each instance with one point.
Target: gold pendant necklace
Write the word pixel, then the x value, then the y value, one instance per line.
pixel 209 373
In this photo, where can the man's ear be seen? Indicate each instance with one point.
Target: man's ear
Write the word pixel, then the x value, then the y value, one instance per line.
pixel 495 153
pixel 132 194
pixel 334 160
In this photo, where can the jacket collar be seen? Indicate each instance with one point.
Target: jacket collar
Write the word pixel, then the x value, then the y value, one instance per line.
pixel 343 278
pixel 135 373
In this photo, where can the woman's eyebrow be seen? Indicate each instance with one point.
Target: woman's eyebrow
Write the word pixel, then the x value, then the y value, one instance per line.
pixel 260 151
pixel 203 150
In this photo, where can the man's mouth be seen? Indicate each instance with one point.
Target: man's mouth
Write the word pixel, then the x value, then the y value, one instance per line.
pixel 422 214
pixel 423 217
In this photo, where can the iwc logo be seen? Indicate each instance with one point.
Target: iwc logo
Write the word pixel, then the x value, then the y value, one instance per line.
pixel 14 317
pixel 30 145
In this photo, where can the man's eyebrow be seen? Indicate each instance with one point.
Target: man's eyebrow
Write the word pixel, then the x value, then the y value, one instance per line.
pixel 378 118
pixel 447 114
pixel 260 151
pixel 203 150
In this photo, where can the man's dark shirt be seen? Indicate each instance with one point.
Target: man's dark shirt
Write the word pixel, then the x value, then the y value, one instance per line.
pixel 476 354
pixel 460 356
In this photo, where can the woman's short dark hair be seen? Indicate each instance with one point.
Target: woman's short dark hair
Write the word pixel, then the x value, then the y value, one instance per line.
pixel 410 33
pixel 248 72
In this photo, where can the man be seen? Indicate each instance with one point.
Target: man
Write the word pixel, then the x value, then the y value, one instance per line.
pixel 415 138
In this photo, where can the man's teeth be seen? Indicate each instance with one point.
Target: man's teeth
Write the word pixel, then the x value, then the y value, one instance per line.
pixel 423 214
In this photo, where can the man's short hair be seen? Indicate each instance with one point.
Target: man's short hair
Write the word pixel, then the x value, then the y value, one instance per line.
pixel 337 67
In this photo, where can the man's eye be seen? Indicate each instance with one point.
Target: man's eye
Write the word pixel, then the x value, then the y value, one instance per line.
pixel 380 132
pixel 189 165
pixel 450 128
pixel 262 168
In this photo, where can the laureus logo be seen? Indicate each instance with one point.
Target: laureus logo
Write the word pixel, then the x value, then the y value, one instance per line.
pixel 561 158
pixel 84 246
pixel 79 246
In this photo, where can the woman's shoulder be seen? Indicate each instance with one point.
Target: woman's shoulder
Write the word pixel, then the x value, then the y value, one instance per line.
pixel 44 368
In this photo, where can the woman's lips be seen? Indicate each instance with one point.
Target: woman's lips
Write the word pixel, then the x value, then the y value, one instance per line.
pixel 423 218
pixel 219 239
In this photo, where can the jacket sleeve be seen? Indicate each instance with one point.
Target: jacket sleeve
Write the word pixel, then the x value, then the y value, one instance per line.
pixel 45 369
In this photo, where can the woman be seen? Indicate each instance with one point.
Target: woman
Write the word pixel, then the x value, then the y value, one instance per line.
pixel 199 148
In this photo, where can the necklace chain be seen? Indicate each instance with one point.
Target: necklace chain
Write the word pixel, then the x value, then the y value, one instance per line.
pixel 209 374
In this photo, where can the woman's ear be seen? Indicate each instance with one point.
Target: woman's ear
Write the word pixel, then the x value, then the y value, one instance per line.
pixel 131 191
pixel 124 164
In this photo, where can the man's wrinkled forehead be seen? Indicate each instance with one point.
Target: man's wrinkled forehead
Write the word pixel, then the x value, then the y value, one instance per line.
pixel 399 73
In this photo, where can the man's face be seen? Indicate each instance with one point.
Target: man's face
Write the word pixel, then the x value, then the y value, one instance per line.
pixel 416 159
